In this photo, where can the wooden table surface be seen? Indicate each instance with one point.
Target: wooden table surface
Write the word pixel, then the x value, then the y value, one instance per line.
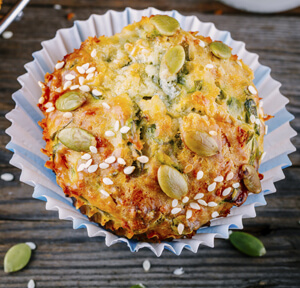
pixel 69 258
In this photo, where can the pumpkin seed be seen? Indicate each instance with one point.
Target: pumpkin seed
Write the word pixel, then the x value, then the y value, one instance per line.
pixel 251 179
pixel 247 244
pixel 138 286
pixel 17 257
pixel 76 139
pixel 69 101
pixel 201 143
pixel 220 50
pixel 172 182
pixel 166 25
pixel 174 59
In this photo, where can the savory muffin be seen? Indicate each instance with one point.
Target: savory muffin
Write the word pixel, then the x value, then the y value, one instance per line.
pixel 153 131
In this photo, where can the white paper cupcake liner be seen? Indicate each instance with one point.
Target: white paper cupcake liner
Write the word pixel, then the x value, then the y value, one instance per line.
pixel 26 134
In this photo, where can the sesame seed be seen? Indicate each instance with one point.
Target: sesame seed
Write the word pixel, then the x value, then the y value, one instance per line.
pixel 199 196
pixel 219 179
pixel 229 176
pixel 48 104
pixel 58 90
pixel 202 202
pixel 236 185
pixel 213 133
pixel 117 126
pixel 226 191
pixel 84 88
pixel 263 156
pixel 185 199
pixel 143 159
pixel 89 76
pixel 257 122
pixel 194 205
pixel 67 115
pixel 252 118
pixel 215 214
pixel 31 284
pixel 252 90
pixel 200 175
pixel 180 229
pixel 104 193
pixel 110 160
pixel 90 70
pixel 93 149
pixel 105 105
pixel 201 43
pixel 74 87
pixel 41 84
pixel 59 65
pixel 50 109
pixel 189 214
pixel 31 245
pixel 81 80
pixel 7 177
pixel 7 34
pixel 93 168
pixel 178 271
pixel 69 77
pixel 86 156
pixel 128 170
pixel 88 163
pixel 212 187
pixel 212 204
pixel 57 7
pixel 41 100
pixel 109 133
pixel 107 181
pixel 174 203
pixel 96 92
pixel 146 265
pixel 86 66
pixel 67 85
pixel 93 53
pixel 121 161
pixel 124 129
pixel 266 129
pixel 175 210
pixel 209 66
pixel 81 167
pixel 103 165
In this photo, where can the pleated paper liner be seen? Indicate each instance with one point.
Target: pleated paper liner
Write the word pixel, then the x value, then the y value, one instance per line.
pixel 26 134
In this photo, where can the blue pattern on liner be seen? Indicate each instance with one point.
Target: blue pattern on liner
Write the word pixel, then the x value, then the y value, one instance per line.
pixel 260 74
pixel 280 118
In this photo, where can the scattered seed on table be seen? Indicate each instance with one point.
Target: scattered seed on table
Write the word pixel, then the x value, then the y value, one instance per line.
pixel 7 177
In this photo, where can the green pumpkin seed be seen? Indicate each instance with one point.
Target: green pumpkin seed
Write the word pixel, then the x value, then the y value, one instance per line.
pixel 69 101
pixel 247 244
pixel 172 182
pixel 76 139
pixel 138 286
pixel 166 25
pixel 220 50
pixel 17 257
pixel 201 143
pixel 174 59
pixel 251 179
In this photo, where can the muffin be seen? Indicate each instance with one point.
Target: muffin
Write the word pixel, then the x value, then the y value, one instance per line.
pixel 154 131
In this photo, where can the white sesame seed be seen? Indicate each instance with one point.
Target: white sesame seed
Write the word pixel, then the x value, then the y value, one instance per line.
pixel 105 105
pixel 260 104
pixel 117 126
pixel 252 90
pixel 202 202
pixel 48 104
pixel 59 65
pixel 209 66
pixel 7 177
pixel 7 34
pixel 263 156
pixel 180 228
pixel 226 191
pixel 104 193
pixel 74 87
pixel 110 160
pixel 146 265
pixel 31 284
pixel 194 205
pixel 88 163
pixel 128 170
pixel 84 88
pixel 213 133
pixel 200 175
pixel 89 76
pixel 185 199
pixel 215 214
pixel 81 80
pixel 252 118
pixel 93 149
pixel 93 53
pixel 174 203
pixel 58 90
pixel 86 156
pixel 81 167
pixel 257 121
pixel 109 133
pixel 229 176
pixel 212 187
pixel 86 66
pixel 103 165
pixel 175 210
pixel 219 179
pixel 50 109
pixel 199 196
pixel 124 129
pixel 178 271
pixel 121 161
pixel 67 85
pixel 68 115
pixel 41 100
pixel 41 84
pixel 90 70
pixel 96 92
pixel 143 159
pixel 57 7
pixel 201 43
pixel 31 245
pixel 107 181
pixel 69 77
pixel 189 214
pixel 236 185
pixel 239 62
pixel 266 129
pixel 93 168
pixel 212 204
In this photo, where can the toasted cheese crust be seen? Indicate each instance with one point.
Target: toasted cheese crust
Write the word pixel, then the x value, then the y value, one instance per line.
pixel 128 114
